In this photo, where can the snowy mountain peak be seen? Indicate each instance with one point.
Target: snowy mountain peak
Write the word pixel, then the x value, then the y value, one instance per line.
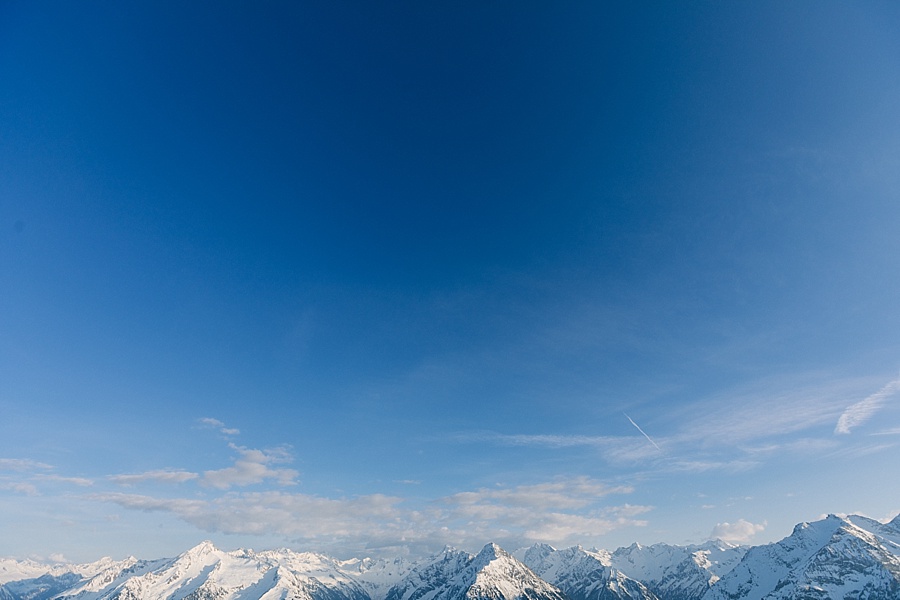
pixel 490 553
pixel 537 557
pixel 584 575
pixel 203 548
pixel 837 557
pixel 537 552
pixel 13 570
pixel 499 576
pixel 717 544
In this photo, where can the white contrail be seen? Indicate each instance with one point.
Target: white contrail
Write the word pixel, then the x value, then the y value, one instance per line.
pixel 649 439
pixel 859 413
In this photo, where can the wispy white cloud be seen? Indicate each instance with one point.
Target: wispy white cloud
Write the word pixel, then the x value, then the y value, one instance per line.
pixel 179 506
pixel 563 528
pixel 557 512
pixel 861 450
pixel 703 466
pixel 739 532
pixel 549 441
pixel 251 466
pixel 79 481
pixel 732 432
pixel 633 451
pixel 569 493
pixel 894 431
pixel 342 522
pixel 765 411
pixel 22 465
pixel 805 446
pixel 615 449
pixel 217 424
pixel 158 476
pixel 31 469
pixel 858 413
pixel 564 509
pixel 20 487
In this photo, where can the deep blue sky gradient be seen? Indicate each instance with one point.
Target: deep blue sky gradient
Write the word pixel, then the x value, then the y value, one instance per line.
pixel 389 239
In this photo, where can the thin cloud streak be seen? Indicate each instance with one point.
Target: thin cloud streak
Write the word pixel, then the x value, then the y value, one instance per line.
pixel 541 440
pixel 764 413
pixel 23 464
pixel 860 412
pixel 630 420
pixel 894 431
pixel 744 430
pixel 614 449
pixel 79 481
pixel 20 487
pixel 159 476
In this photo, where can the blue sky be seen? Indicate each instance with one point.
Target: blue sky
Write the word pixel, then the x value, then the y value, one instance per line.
pixel 372 280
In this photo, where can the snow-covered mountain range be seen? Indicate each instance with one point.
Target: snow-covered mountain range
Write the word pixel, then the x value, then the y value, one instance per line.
pixel 836 558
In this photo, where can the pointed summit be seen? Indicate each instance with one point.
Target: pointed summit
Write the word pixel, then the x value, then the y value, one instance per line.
pixel 197 558
pixel 434 578
pixel 540 549
pixel 583 575
pixel 536 557
pixel 499 576
pixel 204 547
pixel 835 557
pixel 488 554
pixel 493 574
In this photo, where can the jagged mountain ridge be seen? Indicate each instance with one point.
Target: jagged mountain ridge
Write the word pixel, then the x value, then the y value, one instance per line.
pixel 426 579
pixel 838 557
pixel 494 574
pixel 678 572
pixel 583 574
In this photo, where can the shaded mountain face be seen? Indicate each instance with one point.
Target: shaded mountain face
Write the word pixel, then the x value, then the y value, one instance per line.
pixel 206 573
pixel 494 574
pixel 838 557
pixel 39 588
pixel 584 575
pixel 678 572
pixel 430 577
pixel 835 558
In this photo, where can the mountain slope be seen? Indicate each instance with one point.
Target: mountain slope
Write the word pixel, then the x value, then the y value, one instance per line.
pixel 838 557
pixel 584 575
pixel 430 577
pixel 378 576
pixel 494 574
pixel 206 573
pixel 678 572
